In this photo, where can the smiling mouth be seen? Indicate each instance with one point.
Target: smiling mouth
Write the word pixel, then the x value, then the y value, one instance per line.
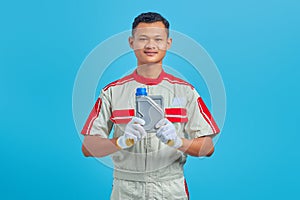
pixel 150 53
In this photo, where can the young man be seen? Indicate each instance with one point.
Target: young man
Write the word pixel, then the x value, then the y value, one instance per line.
pixel 149 167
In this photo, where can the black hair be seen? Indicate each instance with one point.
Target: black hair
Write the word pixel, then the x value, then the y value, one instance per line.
pixel 150 17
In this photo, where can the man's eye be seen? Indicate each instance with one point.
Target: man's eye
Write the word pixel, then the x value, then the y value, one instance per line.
pixel 142 39
pixel 158 39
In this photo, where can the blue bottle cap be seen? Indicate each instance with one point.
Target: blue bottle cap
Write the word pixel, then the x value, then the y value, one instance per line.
pixel 141 91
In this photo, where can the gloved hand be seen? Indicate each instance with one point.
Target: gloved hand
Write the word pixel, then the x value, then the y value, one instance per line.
pixel 167 133
pixel 134 132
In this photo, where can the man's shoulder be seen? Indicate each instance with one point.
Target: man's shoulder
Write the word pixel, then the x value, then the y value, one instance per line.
pixel 175 80
pixel 120 81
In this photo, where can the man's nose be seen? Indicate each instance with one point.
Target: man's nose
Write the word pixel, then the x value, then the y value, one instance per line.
pixel 150 44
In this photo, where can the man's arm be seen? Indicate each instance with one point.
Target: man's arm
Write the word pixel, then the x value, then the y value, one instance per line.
pixel 201 126
pixel 202 146
pixel 96 146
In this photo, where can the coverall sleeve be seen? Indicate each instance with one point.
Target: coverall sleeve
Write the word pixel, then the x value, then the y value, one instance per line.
pixel 200 121
pixel 98 122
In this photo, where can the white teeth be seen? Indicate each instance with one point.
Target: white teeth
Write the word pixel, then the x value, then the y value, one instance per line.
pixel 150 54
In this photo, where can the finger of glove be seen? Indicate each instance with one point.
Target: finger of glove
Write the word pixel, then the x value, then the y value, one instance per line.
pixel 167 135
pixel 167 127
pixel 170 134
pixel 164 136
pixel 161 137
pixel 137 120
pixel 140 129
pixel 161 131
pixel 164 139
pixel 161 123
pixel 136 133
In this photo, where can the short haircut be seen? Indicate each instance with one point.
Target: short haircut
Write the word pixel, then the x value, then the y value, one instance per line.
pixel 150 17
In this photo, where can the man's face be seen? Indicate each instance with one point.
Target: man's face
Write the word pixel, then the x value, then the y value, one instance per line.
pixel 150 42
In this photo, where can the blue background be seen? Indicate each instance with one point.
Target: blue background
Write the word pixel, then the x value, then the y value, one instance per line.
pixel 255 45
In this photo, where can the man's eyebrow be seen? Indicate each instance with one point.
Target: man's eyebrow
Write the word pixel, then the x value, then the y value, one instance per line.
pixel 143 36
pixel 148 36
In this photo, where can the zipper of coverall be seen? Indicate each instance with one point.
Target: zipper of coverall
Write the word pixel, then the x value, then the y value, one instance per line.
pixel 146 146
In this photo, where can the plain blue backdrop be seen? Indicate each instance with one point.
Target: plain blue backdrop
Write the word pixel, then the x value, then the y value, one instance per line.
pixel 255 45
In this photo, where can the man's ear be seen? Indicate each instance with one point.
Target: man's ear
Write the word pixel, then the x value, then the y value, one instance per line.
pixel 169 43
pixel 130 40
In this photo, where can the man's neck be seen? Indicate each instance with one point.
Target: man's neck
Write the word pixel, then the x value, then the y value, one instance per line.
pixel 149 70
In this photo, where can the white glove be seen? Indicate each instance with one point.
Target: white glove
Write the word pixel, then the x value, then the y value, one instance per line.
pixel 134 132
pixel 167 133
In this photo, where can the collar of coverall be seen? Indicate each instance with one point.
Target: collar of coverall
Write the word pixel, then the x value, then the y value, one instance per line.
pixel 149 81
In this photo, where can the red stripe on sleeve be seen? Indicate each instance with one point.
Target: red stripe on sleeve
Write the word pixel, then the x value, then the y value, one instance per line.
pixel 207 116
pixel 93 115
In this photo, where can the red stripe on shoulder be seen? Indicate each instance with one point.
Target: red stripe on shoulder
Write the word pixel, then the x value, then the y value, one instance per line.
pixel 119 82
pixel 93 115
pixel 174 80
pixel 207 116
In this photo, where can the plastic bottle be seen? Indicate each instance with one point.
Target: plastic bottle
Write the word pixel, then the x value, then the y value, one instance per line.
pixel 149 108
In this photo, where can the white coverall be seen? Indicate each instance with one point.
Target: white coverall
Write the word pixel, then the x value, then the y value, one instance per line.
pixel 150 169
